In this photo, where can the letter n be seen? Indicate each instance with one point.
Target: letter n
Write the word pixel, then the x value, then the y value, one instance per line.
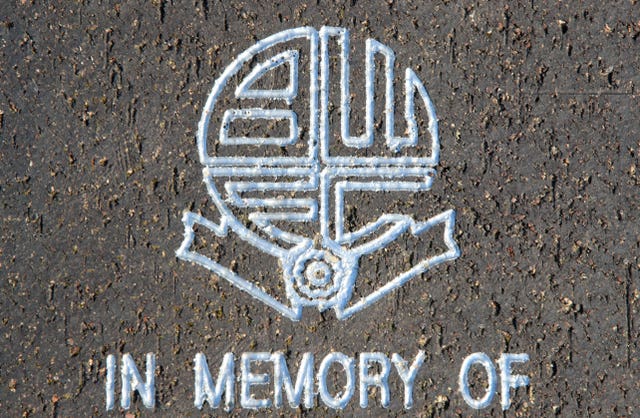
pixel 131 381
pixel 205 390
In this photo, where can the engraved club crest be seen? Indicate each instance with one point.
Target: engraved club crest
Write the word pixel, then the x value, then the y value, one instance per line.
pixel 278 168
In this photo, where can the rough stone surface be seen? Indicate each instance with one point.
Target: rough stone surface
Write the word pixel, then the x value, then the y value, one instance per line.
pixel 540 128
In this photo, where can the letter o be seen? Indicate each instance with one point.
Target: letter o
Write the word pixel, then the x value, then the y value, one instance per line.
pixel 484 361
pixel 348 364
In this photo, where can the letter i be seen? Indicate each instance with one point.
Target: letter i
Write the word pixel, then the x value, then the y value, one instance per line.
pixel 111 381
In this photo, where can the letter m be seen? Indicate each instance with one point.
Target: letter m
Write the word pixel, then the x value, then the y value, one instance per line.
pixel 205 390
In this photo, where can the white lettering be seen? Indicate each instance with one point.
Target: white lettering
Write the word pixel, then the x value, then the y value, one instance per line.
pixel 248 379
pixel 484 361
pixel 507 380
pixel 408 374
pixel 204 387
pixel 374 369
pixel 348 364
pixel 304 381
pixel 131 381
pixel 111 382
pixel 381 379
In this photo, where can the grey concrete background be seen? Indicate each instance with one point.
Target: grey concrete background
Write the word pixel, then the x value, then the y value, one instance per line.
pixel 539 124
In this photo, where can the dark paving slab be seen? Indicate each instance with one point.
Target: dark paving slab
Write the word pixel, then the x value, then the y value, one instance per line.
pixel 539 126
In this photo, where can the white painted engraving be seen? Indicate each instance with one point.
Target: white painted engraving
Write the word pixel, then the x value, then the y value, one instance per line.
pixel 319 272
pixel 483 360
pixel 206 390
pixel 379 380
pixel 374 370
pixel 111 382
pixel 341 399
pixel 253 114
pixel 245 90
pixel 249 379
pixel 408 374
pixel 131 381
pixel 282 380
pixel 507 380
